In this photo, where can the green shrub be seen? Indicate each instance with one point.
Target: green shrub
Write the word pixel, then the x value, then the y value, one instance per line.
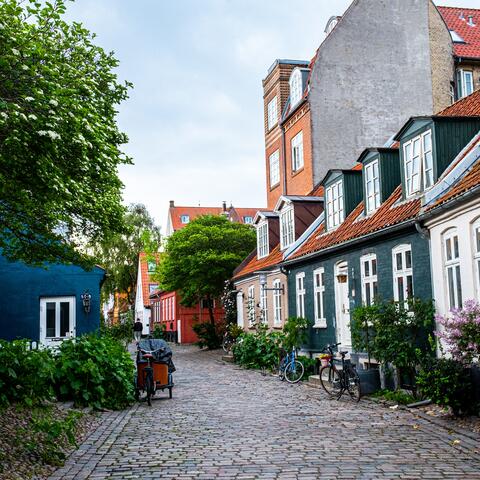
pixel 94 371
pixel 397 396
pixel 295 332
pixel 447 382
pixel 160 331
pixel 52 434
pixel 26 376
pixel 258 350
pixel 122 331
pixel 309 364
pixel 209 335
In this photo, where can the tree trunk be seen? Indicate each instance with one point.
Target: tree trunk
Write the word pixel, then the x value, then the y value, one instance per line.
pixel 210 310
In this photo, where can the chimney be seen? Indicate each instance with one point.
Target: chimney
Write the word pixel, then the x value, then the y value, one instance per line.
pixel 470 21
pixel 224 206
pixel 172 203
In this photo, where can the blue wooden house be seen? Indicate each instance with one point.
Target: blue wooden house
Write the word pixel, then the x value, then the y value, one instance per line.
pixel 48 304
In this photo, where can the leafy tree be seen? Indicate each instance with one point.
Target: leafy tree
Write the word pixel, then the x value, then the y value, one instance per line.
pixel 119 252
pixel 59 140
pixel 202 256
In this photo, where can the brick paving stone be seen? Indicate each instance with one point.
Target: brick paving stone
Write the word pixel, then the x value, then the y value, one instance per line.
pixel 225 422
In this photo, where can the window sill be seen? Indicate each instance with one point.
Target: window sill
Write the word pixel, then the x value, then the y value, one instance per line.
pixel 320 325
pixel 296 172
pixel 273 187
pixel 269 129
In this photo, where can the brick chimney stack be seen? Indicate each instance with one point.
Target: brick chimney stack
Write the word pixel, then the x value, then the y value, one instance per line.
pixel 172 203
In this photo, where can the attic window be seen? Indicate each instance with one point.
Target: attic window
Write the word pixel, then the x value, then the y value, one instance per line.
pixel 248 220
pixel 456 38
pixel 287 230
pixel 418 163
pixel 372 187
pixel 262 240
pixel 335 211
pixel 295 87
pixel 185 218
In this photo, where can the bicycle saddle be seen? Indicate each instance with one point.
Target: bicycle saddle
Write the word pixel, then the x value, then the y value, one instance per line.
pixel 147 355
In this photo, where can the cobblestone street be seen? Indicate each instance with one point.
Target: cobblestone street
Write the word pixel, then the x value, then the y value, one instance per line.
pixel 226 422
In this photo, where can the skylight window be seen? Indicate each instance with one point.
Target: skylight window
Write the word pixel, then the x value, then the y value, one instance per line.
pixel 185 219
pixel 456 38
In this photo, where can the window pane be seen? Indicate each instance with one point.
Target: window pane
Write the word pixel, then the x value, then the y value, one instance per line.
pixel 448 245
pixel 50 319
pixel 408 259
pixel 451 287
pixel 366 268
pixel 319 305
pixel 455 246
pixel 398 256
pixel 367 294
pixel 477 238
pixel 375 290
pixel 401 296
pixel 374 266
pixel 459 287
pixel 409 286
pixel 64 318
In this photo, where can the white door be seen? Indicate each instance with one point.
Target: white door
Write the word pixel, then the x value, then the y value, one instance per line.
pixel 342 306
pixel 57 319
pixel 240 309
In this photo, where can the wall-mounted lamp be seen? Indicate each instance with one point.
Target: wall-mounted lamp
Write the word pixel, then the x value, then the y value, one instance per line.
pixel 86 301
pixel 262 278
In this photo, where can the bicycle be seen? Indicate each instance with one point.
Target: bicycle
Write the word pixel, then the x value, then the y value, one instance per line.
pixel 338 381
pixel 290 368
pixel 227 342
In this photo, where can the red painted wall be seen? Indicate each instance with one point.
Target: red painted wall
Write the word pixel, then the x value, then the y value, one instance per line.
pixel 168 310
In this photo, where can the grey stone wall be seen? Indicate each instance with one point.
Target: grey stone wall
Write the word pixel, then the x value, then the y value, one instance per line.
pixel 372 73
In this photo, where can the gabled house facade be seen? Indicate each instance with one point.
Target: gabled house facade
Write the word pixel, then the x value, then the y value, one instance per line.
pixel 259 281
pixel 319 116
pixel 48 305
pixel 372 242
pixel 145 287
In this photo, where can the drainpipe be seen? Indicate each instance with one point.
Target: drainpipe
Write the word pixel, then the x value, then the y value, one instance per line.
pixel 284 161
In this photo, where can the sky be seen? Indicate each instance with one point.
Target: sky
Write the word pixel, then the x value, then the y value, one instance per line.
pixel 195 115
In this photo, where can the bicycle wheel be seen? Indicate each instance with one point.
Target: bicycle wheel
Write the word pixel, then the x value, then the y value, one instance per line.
pixel 330 379
pixel 149 387
pixel 294 371
pixel 353 384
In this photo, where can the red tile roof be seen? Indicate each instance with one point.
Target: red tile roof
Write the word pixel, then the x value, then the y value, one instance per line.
pixel 470 34
pixel 146 277
pixel 391 212
pixel 465 107
pixel 254 264
pixel 237 214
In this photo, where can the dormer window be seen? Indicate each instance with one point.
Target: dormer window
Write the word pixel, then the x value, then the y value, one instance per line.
pixel 372 187
pixel 185 219
pixel 297 152
pixel 248 220
pixel 418 163
pixel 287 232
pixel 464 83
pixel 335 210
pixel 262 240
pixel 272 113
pixel 295 87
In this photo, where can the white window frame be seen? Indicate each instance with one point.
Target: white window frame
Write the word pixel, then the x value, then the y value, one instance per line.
pixel 54 339
pixel 402 274
pixel 372 182
pixel 264 304
pixel 297 152
pixel 248 220
pixel 369 278
pixel 262 240
pixel 272 113
pixel 274 168
pixel 476 255
pixel 462 83
pixel 287 227
pixel 452 269
pixel 277 302
pixel 251 314
pixel 295 83
pixel 319 298
pixel 419 175
pixel 185 219
pixel 300 293
pixel 335 208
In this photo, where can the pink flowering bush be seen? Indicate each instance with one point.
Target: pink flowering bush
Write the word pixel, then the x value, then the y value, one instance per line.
pixel 461 334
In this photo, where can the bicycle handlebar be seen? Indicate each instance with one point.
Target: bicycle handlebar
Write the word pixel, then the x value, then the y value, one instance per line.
pixel 152 351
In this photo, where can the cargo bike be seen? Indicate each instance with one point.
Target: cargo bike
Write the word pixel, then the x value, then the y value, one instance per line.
pixel 154 369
